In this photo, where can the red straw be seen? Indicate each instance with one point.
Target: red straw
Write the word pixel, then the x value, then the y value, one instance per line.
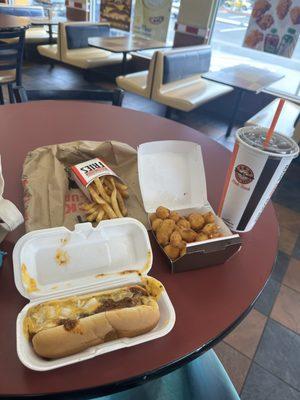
pixel 274 122
pixel 227 179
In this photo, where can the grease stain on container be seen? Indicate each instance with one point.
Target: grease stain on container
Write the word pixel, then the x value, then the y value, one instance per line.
pixel 29 283
pixel 62 257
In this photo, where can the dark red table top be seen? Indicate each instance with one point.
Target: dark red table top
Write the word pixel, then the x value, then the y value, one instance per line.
pixel 208 302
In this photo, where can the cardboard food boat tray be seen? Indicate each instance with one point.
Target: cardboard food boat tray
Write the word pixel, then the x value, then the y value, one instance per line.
pixel 171 174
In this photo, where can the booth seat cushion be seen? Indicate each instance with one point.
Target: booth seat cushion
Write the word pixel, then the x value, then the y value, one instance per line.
pixel 33 35
pixel 285 124
pixel 182 64
pixel 37 34
pixel 190 93
pixel 78 35
pixel 49 51
pixel 91 58
pixel 7 76
pixel 134 83
pixel 23 11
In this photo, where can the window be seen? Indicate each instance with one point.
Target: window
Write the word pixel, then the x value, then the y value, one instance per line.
pixel 227 42
pixel 95 10
pixel 57 7
pixel 173 20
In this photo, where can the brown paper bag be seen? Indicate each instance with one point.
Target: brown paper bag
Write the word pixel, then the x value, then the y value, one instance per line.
pixel 52 199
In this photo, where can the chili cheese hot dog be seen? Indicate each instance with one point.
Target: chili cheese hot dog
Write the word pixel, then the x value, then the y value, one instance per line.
pixel 59 328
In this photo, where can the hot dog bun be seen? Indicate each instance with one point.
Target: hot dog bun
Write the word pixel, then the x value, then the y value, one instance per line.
pixel 59 342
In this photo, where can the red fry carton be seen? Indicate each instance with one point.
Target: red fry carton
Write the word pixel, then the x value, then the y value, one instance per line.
pixel 86 172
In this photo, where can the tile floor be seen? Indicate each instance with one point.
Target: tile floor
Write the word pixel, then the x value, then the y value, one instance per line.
pixel 262 355
pixel 269 335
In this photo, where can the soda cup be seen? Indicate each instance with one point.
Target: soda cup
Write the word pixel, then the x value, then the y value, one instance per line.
pixel 256 172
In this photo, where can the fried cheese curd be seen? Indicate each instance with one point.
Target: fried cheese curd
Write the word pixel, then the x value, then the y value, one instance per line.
pixel 173 231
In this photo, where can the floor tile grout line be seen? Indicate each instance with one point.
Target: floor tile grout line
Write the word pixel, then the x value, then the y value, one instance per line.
pixel 273 305
pixel 288 287
pixel 283 326
pixel 277 377
pixel 270 372
pixel 252 361
pixel 269 316
pixel 295 245
pixel 238 351
pixel 262 334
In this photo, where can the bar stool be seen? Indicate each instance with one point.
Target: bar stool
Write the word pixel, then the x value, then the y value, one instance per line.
pixel 11 58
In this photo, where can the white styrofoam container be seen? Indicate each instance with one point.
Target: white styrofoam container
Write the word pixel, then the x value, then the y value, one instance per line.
pixel 115 253
pixel 171 174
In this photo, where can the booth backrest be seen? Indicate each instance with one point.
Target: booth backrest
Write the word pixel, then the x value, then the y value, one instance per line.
pixel 83 27
pixel 22 11
pixel 78 34
pixel 177 64
pixel 182 64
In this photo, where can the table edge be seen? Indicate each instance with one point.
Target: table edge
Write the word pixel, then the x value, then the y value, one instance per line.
pixel 116 387
pixel 92 392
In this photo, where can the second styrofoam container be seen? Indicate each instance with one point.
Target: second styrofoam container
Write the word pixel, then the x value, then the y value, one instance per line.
pixel 56 263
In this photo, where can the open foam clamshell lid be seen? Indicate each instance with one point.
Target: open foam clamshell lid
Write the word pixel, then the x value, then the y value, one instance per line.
pixel 56 261
pixel 171 174
pixel 61 263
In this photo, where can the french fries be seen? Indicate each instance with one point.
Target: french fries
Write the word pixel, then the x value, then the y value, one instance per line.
pixel 95 195
pixel 114 201
pixel 101 190
pixel 121 203
pixel 100 215
pixel 108 196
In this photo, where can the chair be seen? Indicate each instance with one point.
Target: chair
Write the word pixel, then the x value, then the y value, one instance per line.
pixel 35 34
pixel 139 82
pixel 178 83
pixel 113 96
pixel 202 379
pixel 288 123
pixel 75 49
pixel 11 57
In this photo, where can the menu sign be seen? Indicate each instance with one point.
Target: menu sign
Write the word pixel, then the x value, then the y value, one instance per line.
pixel 274 26
pixel 151 18
pixel 117 13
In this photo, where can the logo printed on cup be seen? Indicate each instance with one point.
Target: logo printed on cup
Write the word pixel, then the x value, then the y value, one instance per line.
pixel 243 174
pixel 156 20
pixel 256 172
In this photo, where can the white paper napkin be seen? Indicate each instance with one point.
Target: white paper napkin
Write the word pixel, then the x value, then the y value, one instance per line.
pixel 9 213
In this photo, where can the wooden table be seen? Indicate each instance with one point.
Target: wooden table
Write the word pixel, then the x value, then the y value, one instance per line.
pixel 125 45
pixel 244 78
pixel 50 22
pixel 208 302
pixel 10 22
